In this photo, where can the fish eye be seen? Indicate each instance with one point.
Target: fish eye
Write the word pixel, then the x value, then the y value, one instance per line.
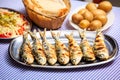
pixel 61 59
pixel 73 60
pixel 101 55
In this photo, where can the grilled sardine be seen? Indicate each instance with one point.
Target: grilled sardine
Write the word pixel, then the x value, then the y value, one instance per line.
pixel 48 48
pixel 99 47
pixel 61 50
pixel 74 49
pixel 26 50
pixel 37 49
pixel 87 50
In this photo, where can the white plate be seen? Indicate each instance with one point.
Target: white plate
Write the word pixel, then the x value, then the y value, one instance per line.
pixel 109 41
pixel 110 21
pixel 26 18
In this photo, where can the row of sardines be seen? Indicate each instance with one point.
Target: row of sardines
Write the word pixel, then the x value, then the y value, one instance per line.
pixel 43 52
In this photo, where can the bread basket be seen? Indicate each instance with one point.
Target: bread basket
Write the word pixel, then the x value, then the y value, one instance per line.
pixel 45 21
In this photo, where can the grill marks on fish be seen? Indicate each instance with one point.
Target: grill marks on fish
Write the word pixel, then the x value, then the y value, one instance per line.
pixel 88 53
pixel 26 50
pixel 74 49
pixel 48 48
pixel 37 49
pixel 61 50
pixel 99 47
pixel 44 52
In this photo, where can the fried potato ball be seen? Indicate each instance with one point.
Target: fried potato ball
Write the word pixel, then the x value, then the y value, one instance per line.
pixel 98 12
pixel 93 16
pixel 94 25
pixel 102 18
pixel 76 18
pixel 84 24
pixel 105 5
pixel 82 11
pixel 88 15
pixel 91 6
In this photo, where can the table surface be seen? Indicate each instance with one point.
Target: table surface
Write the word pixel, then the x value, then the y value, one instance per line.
pixel 9 69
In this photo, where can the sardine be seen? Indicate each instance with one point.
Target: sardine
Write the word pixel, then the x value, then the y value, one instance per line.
pixel 37 49
pixel 74 49
pixel 48 48
pixel 26 50
pixel 61 50
pixel 99 47
pixel 87 50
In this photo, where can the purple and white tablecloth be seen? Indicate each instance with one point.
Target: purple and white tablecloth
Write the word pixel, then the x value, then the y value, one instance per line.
pixel 11 70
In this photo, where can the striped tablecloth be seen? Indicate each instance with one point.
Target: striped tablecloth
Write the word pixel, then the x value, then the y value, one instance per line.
pixel 11 70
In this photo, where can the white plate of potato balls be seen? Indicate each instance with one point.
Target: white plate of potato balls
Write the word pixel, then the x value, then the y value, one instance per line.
pixel 92 16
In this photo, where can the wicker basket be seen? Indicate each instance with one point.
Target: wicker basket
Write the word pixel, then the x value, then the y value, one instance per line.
pixel 47 22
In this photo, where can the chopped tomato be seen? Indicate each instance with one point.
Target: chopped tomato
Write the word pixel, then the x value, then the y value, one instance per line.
pixel 8 35
pixel 21 30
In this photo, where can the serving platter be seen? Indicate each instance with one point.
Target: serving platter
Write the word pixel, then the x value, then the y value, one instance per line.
pixel 22 16
pixel 110 42
pixel 110 17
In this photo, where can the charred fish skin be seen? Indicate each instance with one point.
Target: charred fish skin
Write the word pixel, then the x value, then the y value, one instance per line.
pixel 48 48
pixel 61 50
pixel 87 50
pixel 99 47
pixel 37 49
pixel 26 50
pixel 74 49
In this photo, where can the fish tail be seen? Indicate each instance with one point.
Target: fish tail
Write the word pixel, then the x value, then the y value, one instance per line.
pixel 33 35
pixel 43 34
pixel 82 34
pixel 25 37
pixel 69 36
pixel 55 35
